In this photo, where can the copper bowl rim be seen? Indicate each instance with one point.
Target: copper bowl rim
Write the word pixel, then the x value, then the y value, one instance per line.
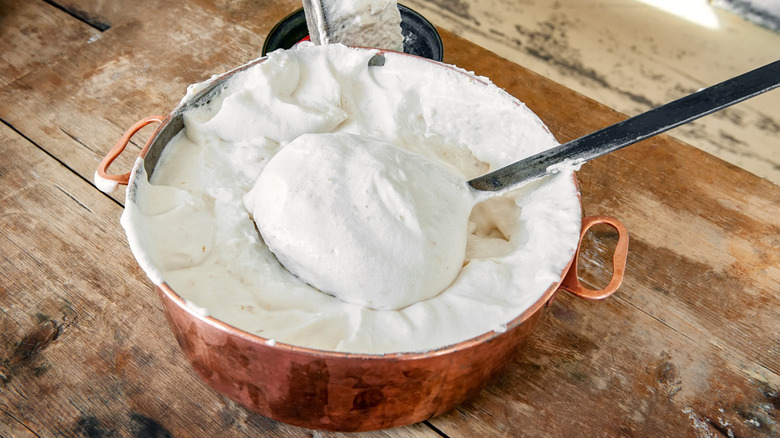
pixel 546 297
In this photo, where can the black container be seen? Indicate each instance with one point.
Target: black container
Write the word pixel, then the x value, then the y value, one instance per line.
pixel 420 37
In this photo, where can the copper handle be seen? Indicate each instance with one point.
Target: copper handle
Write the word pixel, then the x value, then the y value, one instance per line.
pixel 119 147
pixel 571 281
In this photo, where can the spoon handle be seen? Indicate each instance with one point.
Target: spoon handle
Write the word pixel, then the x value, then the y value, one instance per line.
pixel 635 129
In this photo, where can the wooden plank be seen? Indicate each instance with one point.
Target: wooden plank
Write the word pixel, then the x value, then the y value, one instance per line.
pixel 33 34
pixel 247 14
pixel 683 347
pixel 609 369
pixel 112 367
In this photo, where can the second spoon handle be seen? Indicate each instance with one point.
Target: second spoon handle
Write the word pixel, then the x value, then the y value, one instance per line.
pixel 635 129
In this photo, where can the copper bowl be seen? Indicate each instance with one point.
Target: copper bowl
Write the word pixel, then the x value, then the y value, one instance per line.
pixel 328 390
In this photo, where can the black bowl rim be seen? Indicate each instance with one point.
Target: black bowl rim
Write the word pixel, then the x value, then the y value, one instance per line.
pixel 436 46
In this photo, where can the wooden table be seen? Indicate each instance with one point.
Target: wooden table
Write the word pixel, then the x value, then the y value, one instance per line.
pixel 689 346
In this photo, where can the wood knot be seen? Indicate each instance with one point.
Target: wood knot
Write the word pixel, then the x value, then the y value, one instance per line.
pixel 29 346
pixel 667 376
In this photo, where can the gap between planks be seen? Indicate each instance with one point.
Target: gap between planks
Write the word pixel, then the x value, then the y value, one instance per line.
pixel 81 16
pixel 62 163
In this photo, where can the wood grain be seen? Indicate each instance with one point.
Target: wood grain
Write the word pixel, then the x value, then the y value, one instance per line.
pixel 33 34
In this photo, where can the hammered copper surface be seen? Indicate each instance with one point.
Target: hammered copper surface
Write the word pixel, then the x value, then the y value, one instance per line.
pixel 335 391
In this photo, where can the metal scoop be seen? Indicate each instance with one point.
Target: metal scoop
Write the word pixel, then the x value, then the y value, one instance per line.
pixel 632 130
pixel 316 22
pixel 364 24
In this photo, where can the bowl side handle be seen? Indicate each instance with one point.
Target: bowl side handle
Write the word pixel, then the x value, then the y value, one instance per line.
pixel 107 182
pixel 571 281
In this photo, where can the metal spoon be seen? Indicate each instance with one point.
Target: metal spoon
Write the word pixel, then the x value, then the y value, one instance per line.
pixel 632 130
pixel 316 21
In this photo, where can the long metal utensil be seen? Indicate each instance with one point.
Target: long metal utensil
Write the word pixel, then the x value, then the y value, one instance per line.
pixel 632 130
pixel 316 21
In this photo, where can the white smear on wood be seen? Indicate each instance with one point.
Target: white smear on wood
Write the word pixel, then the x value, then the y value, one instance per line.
pixel 700 426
